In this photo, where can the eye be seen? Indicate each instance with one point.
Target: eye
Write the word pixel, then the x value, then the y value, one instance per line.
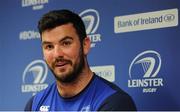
pixel 66 43
pixel 48 47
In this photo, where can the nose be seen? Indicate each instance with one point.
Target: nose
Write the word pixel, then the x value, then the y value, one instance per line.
pixel 58 52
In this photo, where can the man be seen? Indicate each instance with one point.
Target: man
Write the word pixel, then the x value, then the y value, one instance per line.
pixel 65 47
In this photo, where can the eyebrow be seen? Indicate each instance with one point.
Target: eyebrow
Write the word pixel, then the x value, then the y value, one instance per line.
pixel 65 38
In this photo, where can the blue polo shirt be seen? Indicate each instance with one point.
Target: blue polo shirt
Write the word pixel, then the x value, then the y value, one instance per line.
pixel 99 94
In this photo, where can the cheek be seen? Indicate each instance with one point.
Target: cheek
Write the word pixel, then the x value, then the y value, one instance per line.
pixel 76 56
pixel 48 57
pixel 74 53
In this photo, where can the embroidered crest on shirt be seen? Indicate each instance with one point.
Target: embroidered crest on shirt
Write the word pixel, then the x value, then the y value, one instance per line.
pixel 44 108
pixel 85 109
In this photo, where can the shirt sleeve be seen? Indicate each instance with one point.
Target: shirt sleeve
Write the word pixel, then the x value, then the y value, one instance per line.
pixel 28 106
pixel 118 102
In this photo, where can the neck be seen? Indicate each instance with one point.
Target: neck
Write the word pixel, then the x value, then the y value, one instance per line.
pixel 68 90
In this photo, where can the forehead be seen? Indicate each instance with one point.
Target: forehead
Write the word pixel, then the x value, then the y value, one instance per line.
pixel 60 32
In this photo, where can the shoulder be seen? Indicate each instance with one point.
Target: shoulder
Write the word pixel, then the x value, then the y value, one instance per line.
pixel 35 100
pixel 119 100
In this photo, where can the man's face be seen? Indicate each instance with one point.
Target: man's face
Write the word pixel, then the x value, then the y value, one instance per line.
pixel 63 52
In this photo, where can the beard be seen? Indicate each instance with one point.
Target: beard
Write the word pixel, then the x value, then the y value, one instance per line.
pixel 71 75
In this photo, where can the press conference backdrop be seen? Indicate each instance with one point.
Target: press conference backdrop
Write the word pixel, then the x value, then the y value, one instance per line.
pixel 135 44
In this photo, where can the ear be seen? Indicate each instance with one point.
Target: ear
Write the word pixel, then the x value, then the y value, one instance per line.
pixel 86 45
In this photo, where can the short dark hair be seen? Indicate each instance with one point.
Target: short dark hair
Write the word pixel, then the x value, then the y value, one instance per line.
pixel 56 18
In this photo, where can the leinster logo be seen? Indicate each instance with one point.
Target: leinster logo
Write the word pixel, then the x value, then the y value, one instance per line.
pixel 35 4
pixel 91 20
pixel 143 71
pixel 34 77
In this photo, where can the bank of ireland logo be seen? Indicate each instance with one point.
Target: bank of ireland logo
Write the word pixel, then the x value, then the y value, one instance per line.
pixel 143 71
pixel 34 76
pixel 91 20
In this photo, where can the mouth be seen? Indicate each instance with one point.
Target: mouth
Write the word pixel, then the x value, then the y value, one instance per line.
pixel 61 64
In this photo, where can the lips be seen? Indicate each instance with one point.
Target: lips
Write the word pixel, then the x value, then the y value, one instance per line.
pixel 61 64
